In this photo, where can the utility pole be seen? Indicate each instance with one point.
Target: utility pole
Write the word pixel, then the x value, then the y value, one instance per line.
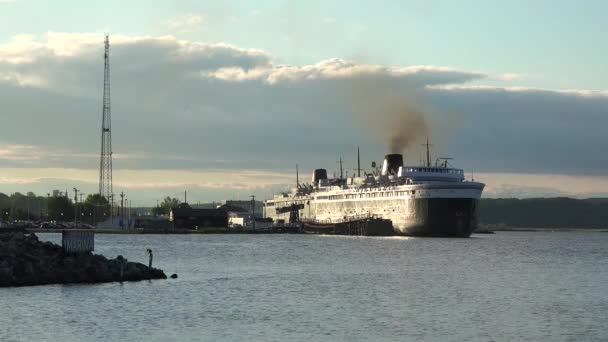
pixel 297 177
pixel 122 202
pixel 80 208
pixel 48 199
pixel 75 204
pixel 129 214
pixel 253 209
pixel 185 197
pixel 112 209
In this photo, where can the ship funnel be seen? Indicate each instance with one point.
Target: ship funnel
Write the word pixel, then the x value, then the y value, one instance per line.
pixel 317 175
pixel 392 163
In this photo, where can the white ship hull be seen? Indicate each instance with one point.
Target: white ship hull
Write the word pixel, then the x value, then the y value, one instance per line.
pixel 429 209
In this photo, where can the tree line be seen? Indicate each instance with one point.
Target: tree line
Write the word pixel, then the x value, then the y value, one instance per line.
pixel 164 207
pixel 29 206
pixel 558 212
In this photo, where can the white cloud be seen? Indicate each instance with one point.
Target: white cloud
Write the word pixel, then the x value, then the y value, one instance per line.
pixel 487 88
pixel 510 77
pixel 336 68
pixel 153 179
pixel 186 22
pixel 542 185
pixel 23 80
pixel 498 185
pixel 188 105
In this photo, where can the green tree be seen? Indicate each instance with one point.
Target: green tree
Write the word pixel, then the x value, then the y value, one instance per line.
pixel 95 208
pixel 61 209
pixel 165 206
pixel 5 207
pixel 22 206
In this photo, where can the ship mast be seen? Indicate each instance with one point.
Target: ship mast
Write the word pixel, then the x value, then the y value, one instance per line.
pixel 358 163
pixel 428 153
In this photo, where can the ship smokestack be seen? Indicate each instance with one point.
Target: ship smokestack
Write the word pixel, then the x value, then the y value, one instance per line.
pixel 317 175
pixel 392 163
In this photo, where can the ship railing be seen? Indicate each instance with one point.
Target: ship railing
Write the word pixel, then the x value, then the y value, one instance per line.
pixel 286 224
pixel 357 217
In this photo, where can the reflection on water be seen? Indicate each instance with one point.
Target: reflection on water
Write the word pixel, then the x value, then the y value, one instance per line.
pixel 502 287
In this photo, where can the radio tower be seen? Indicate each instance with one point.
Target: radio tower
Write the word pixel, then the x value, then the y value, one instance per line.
pixel 105 163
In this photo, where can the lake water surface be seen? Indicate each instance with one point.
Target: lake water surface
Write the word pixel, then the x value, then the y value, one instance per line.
pixel 511 286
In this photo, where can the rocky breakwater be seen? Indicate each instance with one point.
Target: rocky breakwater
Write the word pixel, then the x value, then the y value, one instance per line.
pixel 24 260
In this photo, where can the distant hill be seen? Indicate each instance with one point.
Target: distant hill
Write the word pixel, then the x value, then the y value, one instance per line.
pixel 558 212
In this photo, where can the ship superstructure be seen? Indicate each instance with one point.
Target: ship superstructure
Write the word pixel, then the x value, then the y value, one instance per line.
pixel 427 200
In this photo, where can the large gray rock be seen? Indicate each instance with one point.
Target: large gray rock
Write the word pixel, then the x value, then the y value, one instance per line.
pixel 26 261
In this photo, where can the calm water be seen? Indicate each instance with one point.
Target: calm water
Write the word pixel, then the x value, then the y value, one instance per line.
pixel 505 287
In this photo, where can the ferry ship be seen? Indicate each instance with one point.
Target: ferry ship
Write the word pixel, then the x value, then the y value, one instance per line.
pixel 424 200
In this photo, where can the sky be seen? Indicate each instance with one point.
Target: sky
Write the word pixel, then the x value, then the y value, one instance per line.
pixel 223 98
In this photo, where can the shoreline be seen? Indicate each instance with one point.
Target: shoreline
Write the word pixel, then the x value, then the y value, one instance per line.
pixel 131 231
pixel 219 230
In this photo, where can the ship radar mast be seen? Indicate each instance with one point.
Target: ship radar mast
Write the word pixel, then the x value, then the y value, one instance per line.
pixel 340 161
pixel 428 153
pixel 444 161
pixel 358 163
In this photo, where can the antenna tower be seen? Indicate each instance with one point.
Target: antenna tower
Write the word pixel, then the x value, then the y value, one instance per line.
pixel 105 163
